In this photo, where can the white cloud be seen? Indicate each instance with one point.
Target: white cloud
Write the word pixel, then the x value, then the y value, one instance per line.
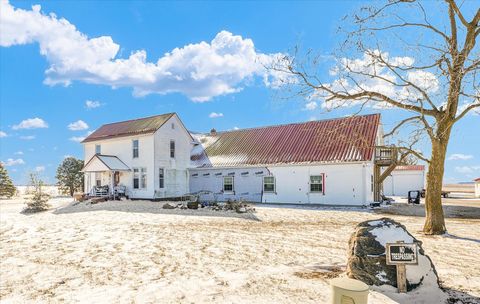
pixel 39 168
pixel 460 156
pixel 78 125
pixel 3 134
pixel 215 115
pixel 77 138
pixel 311 106
pixel 200 70
pixel 27 137
pixel 92 104
pixel 19 153
pixel 31 123
pixel 236 128
pixel 467 169
pixel 369 73
pixel 13 162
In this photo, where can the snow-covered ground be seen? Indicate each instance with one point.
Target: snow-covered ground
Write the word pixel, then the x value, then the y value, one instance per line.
pixel 137 252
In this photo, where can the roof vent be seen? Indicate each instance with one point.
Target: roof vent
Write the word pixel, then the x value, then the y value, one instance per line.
pixel 213 132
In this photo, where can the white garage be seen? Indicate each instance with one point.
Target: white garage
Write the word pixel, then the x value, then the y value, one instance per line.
pixel 404 179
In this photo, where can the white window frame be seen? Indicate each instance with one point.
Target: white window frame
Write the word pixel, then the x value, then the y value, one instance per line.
pixel 136 175
pixel 143 178
pixel 321 183
pixel 161 178
pixel 98 179
pixel 98 149
pixel 135 149
pixel 233 184
pixel 274 184
pixel 172 150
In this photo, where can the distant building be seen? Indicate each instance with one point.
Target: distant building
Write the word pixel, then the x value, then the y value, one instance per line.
pixel 477 187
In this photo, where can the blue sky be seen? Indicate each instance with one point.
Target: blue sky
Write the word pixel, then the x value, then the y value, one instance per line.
pixel 28 91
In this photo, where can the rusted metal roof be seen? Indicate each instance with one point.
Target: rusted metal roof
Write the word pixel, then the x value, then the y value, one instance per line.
pixel 345 139
pixel 410 167
pixel 129 127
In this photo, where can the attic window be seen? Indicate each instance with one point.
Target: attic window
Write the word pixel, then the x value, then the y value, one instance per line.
pixel 206 174
pixel 231 174
pixel 194 174
pixel 244 173
pixel 218 174
pixel 259 172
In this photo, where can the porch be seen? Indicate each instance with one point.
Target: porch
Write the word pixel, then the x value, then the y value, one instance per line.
pixel 103 176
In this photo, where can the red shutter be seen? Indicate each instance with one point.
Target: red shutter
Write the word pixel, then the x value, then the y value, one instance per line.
pixel 323 182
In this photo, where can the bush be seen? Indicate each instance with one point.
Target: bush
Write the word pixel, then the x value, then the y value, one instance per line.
pixel 7 189
pixel 39 200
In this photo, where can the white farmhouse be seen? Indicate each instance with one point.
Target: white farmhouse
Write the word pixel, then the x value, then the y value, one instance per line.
pixel 477 187
pixel 332 162
pixel 146 158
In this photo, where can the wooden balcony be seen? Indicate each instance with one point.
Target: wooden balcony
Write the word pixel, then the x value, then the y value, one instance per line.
pixel 385 156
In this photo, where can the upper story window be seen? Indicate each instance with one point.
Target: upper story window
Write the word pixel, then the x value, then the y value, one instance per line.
pixel 173 125
pixel 268 184
pixel 172 149
pixel 98 149
pixel 135 148
pixel 228 184
pixel 316 183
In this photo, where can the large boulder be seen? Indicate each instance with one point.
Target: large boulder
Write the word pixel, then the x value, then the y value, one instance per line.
pixel 367 255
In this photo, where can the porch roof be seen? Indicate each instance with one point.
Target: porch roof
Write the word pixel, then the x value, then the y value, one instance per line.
pixel 100 163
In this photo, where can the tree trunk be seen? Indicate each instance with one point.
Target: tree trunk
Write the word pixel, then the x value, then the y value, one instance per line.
pixel 72 190
pixel 435 221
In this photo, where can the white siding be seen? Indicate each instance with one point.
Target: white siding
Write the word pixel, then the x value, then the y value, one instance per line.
pixel 176 175
pixel 477 189
pixel 401 181
pixel 122 148
pixel 345 184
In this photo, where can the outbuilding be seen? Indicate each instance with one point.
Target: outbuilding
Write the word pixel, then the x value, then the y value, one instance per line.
pixel 404 179
pixel 477 187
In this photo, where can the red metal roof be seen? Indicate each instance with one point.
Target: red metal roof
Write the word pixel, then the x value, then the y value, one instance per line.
pixel 129 127
pixel 410 167
pixel 345 139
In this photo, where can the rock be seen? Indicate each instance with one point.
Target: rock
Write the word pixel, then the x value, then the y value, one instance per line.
pixel 367 259
pixel 192 205
pixel 242 210
pixel 169 206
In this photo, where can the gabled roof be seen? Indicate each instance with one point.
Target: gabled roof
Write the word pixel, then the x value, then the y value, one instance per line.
pixel 129 127
pixel 345 139
pixel 100 163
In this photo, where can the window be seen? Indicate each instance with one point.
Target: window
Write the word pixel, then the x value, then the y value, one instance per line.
pixel 98 149
pixel 172 149
pixel 143 178
pixel 268 184
pixel 135 148
pixel 316 183
pixel 161 178
pixel 136 179
pixel 228 184
pixel 98 179
pixel 139 178
pixel 173 125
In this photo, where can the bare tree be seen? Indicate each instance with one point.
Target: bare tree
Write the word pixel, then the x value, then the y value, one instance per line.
pixel 419 57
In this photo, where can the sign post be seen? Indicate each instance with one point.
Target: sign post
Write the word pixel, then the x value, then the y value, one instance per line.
pixel 402 254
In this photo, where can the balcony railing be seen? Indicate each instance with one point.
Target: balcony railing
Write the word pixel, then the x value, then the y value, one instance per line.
pixel 385 155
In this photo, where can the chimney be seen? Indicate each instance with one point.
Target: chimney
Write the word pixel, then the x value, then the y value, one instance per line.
pixel 213 132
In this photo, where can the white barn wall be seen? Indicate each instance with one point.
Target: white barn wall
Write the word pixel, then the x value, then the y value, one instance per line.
pixel 246 187
pixel 345 184
pixel 401 181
